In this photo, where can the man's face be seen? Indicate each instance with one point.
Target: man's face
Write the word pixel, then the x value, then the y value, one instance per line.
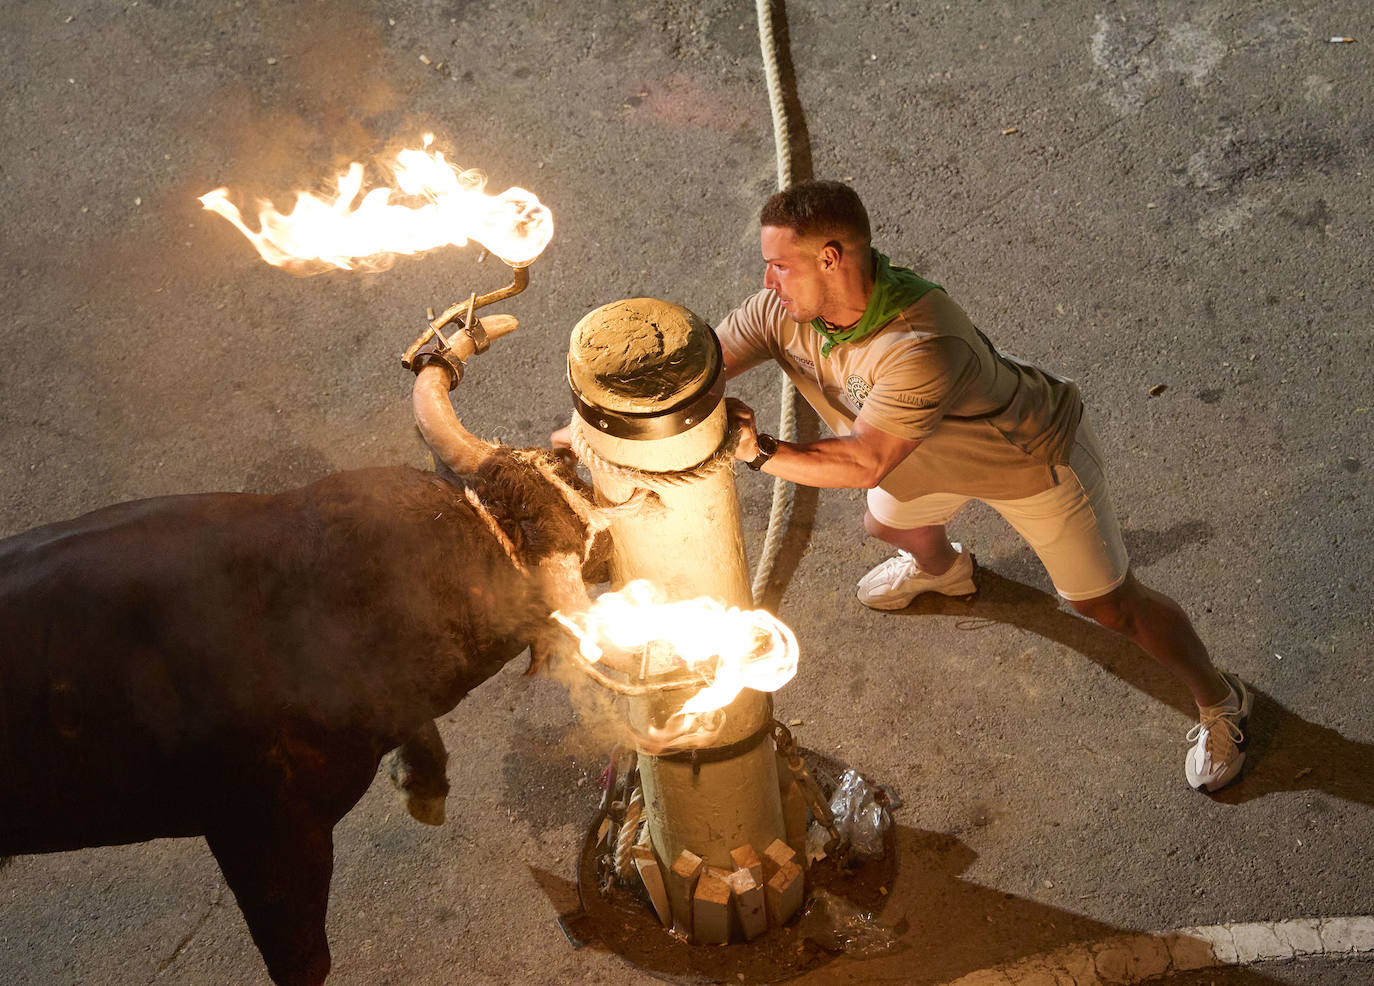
pixel 795 270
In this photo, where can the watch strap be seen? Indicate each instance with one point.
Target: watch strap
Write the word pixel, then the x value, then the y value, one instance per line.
pixel 768 446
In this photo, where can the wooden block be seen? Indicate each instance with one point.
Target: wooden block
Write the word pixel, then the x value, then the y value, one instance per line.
pixel 711 908
pixel 794 818
pixel 745 858
pixel 749 903
pixel 646 863
pixel 784 892
pixel 777 853
pixel 682 883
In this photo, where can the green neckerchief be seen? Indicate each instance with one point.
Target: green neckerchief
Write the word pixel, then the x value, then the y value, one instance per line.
pixel 894 290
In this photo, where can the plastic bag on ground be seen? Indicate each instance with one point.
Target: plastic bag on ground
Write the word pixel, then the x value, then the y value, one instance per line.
pixel 838 926
pixel 859 818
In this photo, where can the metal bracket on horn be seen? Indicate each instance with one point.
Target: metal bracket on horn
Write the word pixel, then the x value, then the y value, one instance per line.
pixel 432 353
pixel 440 350
pixel 463 314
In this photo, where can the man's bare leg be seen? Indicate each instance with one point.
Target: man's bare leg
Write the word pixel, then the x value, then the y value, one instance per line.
pixel 1150 619
pixel 1154 623
pixel 1160 628
pixel 928 545
pixel 1158 625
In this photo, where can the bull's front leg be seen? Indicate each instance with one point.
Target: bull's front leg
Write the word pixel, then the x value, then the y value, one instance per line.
pixel 418 770
pixel 279 870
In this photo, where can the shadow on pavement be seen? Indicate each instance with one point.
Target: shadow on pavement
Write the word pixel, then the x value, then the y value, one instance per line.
pixel 945 928
pixel 797 535
pixel 1286 752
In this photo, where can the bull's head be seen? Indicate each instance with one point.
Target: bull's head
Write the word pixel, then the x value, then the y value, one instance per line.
pixel 532 501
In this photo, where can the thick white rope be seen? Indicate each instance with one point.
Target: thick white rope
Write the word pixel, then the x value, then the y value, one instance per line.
pixel 781 509
pixel 722 458
pixel 782 137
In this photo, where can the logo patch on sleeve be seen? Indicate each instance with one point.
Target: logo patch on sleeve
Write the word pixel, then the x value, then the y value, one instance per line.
pixel 857 388
pixel 915 400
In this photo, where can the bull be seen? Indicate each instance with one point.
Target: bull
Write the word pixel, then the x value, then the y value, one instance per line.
pixel 266 651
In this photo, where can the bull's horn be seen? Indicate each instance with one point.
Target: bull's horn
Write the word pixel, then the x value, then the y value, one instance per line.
pixel 451 443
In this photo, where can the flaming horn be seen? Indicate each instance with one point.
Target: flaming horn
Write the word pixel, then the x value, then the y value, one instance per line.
pixel 431 204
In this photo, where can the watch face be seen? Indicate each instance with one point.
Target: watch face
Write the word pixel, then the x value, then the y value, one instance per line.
pixel 767 444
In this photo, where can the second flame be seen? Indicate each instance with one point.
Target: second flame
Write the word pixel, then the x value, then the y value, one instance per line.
pixel 725 649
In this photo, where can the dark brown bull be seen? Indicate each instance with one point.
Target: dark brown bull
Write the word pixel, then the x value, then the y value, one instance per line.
pixel 264 652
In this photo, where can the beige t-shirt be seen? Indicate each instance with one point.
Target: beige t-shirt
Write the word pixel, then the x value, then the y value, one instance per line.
pixel 989 425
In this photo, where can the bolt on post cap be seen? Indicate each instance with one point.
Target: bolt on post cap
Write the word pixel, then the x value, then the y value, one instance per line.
pixel 644 368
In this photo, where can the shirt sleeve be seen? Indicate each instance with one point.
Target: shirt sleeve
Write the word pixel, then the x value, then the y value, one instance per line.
pixel 748 335
pixel 916 384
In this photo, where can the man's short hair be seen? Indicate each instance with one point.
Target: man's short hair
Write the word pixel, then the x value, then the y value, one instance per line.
pixel 824 208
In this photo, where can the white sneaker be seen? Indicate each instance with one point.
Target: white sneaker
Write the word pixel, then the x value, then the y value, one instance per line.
pixel 897 581
pixel 1218 750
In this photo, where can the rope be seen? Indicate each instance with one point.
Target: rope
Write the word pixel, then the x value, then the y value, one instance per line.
pixel 722 458
pixel 781 132
pixel 627 836
pixel 781 509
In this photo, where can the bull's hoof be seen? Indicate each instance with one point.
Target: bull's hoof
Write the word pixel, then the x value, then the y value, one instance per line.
pixel 419 775
pixel 429 811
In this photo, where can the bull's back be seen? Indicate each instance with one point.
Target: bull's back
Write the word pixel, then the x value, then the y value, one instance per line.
pixel 103 707
pixel 160 655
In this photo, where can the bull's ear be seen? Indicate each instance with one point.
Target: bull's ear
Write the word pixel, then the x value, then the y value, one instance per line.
pixel 537 661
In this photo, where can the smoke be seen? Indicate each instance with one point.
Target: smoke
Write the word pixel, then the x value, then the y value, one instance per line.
pixel 602 720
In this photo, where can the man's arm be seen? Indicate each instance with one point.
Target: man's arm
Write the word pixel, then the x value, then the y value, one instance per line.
pixel 729 367
pixel 860 460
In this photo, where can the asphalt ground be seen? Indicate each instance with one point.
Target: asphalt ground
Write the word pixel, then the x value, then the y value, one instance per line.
pixel 1183 204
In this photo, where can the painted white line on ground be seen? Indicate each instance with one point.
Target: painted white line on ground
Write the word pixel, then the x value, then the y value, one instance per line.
pixel 1137 958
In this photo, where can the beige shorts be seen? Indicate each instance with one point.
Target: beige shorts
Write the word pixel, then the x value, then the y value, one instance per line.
pixel 1072 527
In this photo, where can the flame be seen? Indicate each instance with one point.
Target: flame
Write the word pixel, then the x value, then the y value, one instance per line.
pixel 350 234
pixel 722 650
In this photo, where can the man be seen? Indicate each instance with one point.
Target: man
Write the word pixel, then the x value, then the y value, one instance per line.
pixel 928 415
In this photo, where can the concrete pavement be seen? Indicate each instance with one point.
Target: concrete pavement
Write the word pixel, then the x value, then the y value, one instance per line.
pixel 1182 201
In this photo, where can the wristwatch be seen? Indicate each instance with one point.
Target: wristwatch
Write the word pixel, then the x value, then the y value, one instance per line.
pixel 768 446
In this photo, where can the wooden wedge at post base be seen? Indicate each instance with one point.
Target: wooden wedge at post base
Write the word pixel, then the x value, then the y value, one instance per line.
pixel 651 874
pixel 784 892
pixel 750 907
pixel 682 884
pixel 777 854
pixel 794 818
pixel 711 908
pixel 745 858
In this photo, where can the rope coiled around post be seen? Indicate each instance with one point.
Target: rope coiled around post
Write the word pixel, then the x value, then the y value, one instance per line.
pixel 722 458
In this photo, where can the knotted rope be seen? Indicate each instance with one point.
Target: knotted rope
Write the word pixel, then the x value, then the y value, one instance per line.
pixel 651 479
